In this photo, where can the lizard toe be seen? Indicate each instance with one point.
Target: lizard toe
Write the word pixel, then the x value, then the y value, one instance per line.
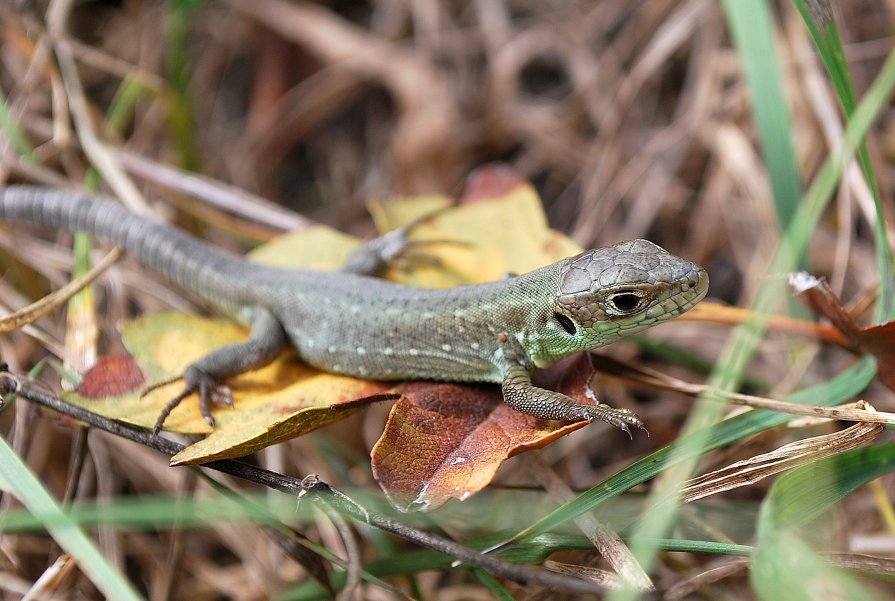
pixel 195 381
pixel 211 392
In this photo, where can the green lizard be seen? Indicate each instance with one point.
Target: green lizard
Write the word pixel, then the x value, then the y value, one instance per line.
pixel 348 322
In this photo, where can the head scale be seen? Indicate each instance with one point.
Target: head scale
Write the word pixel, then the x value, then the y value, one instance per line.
pixel 607 293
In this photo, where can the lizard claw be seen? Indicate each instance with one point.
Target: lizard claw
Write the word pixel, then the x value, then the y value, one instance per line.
pixel 195 380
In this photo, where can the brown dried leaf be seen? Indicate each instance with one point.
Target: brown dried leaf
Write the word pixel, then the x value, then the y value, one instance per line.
pixel 787 457
pixel 446 441
pixel 821 299
pixel 878 340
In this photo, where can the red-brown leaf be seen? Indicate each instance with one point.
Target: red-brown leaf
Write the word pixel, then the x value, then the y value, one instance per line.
pixel 821 299
pixel 112 375
pixel 492 181
pixel 878 340
pixel 446 441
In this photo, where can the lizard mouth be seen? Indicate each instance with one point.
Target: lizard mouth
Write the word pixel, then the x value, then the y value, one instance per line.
pixel 692 290
pixel 688 292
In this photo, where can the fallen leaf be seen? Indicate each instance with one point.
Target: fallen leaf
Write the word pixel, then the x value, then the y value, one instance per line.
pixel 878 340
pixel 280 401
pixel 485 240
pixel 112 375
pixel 821 299
pixel 318 247
pixel 446 441
pixel 492 181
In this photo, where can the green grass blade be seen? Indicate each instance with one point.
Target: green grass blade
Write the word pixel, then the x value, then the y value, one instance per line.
pixel 876 98
pixel 741 346
pixel 493 584
pixel 27 488
pixel 15 135
pixel 534 551
pixel 181 120
pixel 818 18
pixel 752 29
pixel 841 388
pixel 157 513
pixel 784 566
pixel 803 494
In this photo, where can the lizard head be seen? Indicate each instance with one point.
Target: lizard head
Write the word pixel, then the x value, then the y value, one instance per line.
pixel 607 293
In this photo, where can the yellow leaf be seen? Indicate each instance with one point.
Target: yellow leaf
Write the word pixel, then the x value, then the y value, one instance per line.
pixel 318 247
pixel 277 402
pixel 485 241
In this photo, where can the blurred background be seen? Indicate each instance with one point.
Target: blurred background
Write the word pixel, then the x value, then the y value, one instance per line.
pixel 631 119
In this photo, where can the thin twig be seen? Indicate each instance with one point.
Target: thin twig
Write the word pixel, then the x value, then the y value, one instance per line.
pixel 214 192
pixel 47 304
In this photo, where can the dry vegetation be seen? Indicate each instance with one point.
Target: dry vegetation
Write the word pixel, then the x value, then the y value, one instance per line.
pixel 632 119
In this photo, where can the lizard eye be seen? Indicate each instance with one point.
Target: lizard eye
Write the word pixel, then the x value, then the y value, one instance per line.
pixel 626 302
pixel 567 324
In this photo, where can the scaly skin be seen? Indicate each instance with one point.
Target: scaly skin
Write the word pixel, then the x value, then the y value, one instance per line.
pixel 354 324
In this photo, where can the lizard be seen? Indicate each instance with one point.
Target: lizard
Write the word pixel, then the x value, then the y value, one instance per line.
pixel 349 322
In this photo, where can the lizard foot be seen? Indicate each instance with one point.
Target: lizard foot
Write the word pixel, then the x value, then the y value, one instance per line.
pixel 622 419
pixel 195 380
pixel 396 249
pixel 519 394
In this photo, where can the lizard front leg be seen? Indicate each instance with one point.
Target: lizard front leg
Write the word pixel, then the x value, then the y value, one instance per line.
pixel 206 375
pixel 520 394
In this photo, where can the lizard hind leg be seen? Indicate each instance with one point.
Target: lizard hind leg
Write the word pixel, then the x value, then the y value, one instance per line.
pixel 206 375
pixel 396 249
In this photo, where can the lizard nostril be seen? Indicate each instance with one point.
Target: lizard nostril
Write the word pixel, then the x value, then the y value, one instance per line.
pixel 567 324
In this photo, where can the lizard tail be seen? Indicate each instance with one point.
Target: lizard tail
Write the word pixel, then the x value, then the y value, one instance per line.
pixel 213 274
